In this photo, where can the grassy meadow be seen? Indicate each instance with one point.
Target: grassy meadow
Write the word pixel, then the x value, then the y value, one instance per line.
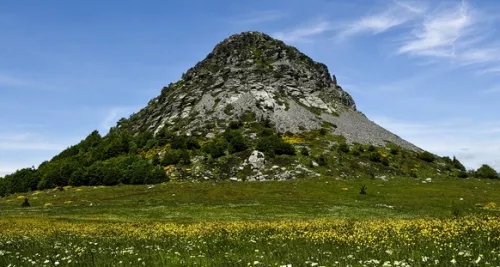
pixel 313 222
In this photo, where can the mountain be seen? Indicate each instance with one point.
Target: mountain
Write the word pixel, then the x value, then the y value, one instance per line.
pixel 252 73
pixel 255 109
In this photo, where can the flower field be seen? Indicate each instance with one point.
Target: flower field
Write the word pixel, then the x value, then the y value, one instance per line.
pixel 310 222
pixel 468 241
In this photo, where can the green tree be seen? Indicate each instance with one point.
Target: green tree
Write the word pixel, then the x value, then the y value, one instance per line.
pixel 427 156
pixel 486 171
pixel 57 173
pixel 457 164
pixel 216 147
pixel 78 178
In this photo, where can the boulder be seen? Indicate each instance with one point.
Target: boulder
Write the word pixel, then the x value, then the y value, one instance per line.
pixel 257 160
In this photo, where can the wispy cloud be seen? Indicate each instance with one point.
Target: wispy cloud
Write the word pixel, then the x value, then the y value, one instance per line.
pixel 395 14
pixel 259 17
pixel 492 90
pixel 439 32
pixel 458 32
pixel 306 32
pixel 27 141
pixel 114 114
pixel 480 56
pixel 12 81
pixel 473 143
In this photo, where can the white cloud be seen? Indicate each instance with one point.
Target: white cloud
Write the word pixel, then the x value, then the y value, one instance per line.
pixel 473 143
pixel 439 33
pixel 304 33
pixel 394 15
pixel 259 17
pixel 480 56
pixel 489 70
pixel 460 33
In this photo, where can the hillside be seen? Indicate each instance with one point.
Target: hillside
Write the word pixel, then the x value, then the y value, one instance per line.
pixel 255 109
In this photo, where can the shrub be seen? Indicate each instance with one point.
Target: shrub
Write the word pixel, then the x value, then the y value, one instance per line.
pixel 274 145
pixel 384 161
pixel 267 132
pixel 266 122
pixel 192 143
pixel 155 160
pixel 216 147
pixel 322 160
pixel 26 202
pixel 362 190
pixel 171 157
pixel 238 144
pixel 372 148
pixel 394 150
pixel 178 142
pixel 427 156
pixel 462 174
pixel 375 157
pixel 185 156
pixel 235 125
pixel 304 151
pixel 323 131
pixel 343 147
pixel 228 109
pixel 486 171
pixel 357 150
pixel 156 175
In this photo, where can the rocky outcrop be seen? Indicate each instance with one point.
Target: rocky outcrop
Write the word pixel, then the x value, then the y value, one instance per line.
pixel 257 160
pixel 252 74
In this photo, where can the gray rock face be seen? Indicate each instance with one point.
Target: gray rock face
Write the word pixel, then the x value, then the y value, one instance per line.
pixel 257 160
pixel 252 73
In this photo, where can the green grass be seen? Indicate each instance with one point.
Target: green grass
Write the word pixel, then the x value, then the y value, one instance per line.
pixel 298 199
pixel 306 222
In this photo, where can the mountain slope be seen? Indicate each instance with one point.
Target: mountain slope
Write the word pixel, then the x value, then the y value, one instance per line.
pixel 255 109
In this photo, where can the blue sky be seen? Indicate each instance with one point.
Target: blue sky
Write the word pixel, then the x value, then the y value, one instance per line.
pixel 428 71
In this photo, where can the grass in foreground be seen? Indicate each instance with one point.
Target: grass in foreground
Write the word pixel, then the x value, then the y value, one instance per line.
pixel 320 222
pixel 226 201
pixel 467 241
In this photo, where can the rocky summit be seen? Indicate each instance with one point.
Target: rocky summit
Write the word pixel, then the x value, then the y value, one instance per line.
pixel 252 74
